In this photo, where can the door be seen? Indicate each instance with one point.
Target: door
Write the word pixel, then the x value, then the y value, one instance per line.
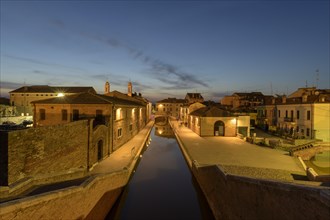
pixel 219 128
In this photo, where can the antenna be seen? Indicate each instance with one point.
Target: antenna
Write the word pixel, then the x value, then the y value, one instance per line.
pixel 306 84
pixel 271 88
pixel 317 77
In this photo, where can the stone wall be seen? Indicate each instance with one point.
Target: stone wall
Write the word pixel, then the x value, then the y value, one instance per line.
pixel 45 151
pixel 100 137
pixel 78 202
pixel 261 199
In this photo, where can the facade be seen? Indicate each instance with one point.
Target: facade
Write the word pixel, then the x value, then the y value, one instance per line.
pixel 22 97
pixel 169 107
pixel 243 100
pixel 302 115
pixel 122 118
pixel 212 121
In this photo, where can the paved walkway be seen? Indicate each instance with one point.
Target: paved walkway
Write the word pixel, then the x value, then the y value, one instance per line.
pixel 123 156
pixel 239 156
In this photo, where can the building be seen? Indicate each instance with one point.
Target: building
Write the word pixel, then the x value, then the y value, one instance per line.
pixel 6 110
pixel 213 121
pixel 243 100
pixel 302 115
pixel 194 97
pixel 22 97
pixel 169 107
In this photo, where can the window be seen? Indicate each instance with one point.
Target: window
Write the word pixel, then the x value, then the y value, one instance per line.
pixel 42 114
pixel 64 115
pixel 75 114
pixel 12 103
pixel 291 114
pixel 308 115
pixel 286 113
pixel 265 113
pixel 130 127
pixel 37 95
pixel 164 109
pixel 307 131
pixel 12 94
pixel 279 113
pixel 297 114
pixel 119 114
pixel 119 132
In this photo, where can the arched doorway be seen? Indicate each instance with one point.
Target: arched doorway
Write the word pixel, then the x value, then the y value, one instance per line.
pixel 219 128
pixel 99 150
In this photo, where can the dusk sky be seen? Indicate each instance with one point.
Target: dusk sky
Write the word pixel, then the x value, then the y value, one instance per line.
pixel 166 48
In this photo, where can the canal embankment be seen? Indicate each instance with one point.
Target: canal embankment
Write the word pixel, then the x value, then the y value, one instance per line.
pixel 244 181
pixel 93 198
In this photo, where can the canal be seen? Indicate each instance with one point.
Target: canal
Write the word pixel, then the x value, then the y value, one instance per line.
pixel 162 186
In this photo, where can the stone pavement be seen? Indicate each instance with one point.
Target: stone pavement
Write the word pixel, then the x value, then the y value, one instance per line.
pixel 238 156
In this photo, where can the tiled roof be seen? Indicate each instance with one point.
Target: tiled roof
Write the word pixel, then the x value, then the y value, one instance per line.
pixel 120 95
pixel 53 89
pixel 87 98
pixel 194 95
pixel 211 112
pixel 172 100
pixel 81 98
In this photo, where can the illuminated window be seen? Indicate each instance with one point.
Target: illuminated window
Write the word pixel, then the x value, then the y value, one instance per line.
pixel 119 114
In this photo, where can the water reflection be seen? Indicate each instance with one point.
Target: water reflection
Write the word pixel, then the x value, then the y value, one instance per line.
pixel 164 131
pixel 162 186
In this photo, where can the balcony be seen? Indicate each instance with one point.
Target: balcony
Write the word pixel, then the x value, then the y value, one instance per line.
pixel 287 119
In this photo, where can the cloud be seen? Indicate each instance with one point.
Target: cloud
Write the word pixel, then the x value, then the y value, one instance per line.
pixel 44 63
pixel 157 68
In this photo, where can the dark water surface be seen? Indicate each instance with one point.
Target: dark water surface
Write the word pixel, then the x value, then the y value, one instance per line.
pixel 162 186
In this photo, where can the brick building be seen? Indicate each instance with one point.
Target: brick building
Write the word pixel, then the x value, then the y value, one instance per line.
pixel 22 97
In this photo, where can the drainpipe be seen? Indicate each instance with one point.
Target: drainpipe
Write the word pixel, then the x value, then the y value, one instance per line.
pixel 88 139
pixel 111 128
pixel 312 117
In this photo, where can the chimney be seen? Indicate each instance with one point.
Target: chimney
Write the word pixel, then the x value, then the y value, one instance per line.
pixel 129 87
pixel 107 88
pixel 304 97
pixel 273 101
pixel 283 99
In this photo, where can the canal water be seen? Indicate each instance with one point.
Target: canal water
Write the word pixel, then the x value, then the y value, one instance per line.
pixel 162 186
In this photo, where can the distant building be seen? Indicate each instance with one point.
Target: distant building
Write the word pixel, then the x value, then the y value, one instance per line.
pixel 22 97
pixel 169 107
pixel 243 100
pixel 194 97
pixel 6 110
